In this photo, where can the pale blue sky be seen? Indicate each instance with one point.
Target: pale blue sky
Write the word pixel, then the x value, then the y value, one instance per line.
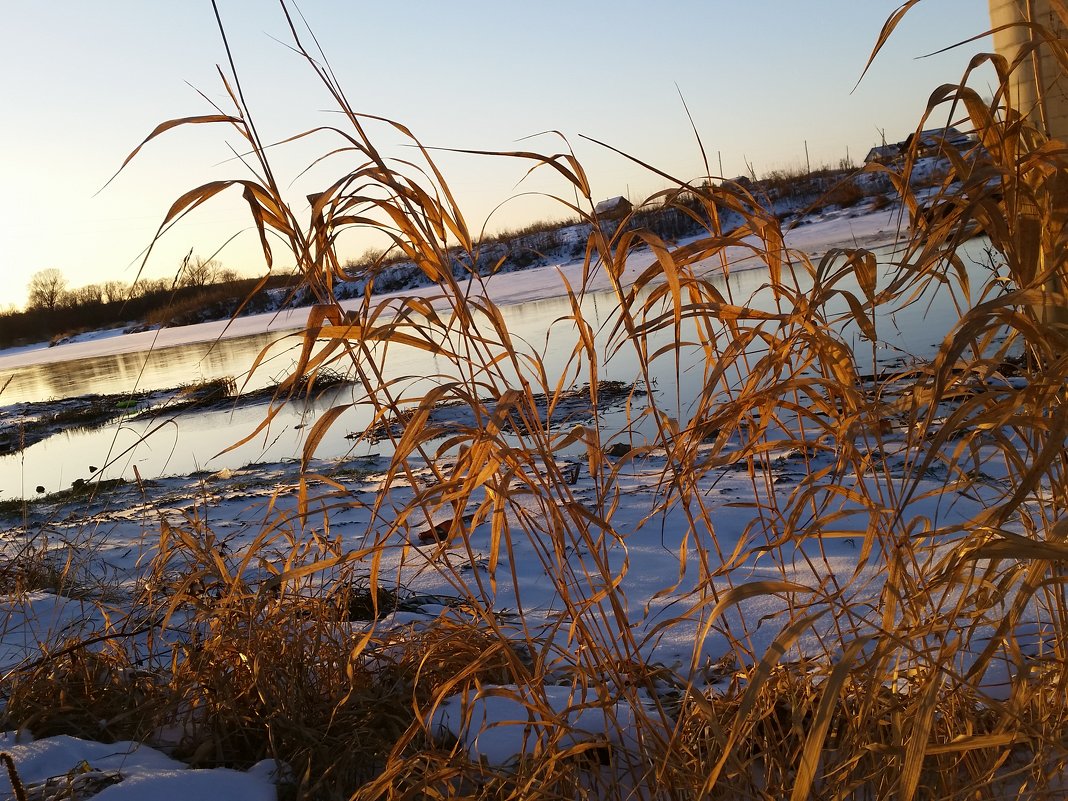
pixel 84 82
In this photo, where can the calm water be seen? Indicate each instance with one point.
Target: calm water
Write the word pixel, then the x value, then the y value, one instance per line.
pixel 194 441
pixel 161 368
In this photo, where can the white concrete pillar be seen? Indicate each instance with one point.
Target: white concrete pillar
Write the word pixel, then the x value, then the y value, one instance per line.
pixel 1040 84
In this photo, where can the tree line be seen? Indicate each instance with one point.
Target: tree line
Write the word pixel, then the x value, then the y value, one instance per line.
pixel 201 289
pixel 50 290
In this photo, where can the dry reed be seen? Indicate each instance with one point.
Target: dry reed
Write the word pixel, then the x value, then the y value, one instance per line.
pixel 918 676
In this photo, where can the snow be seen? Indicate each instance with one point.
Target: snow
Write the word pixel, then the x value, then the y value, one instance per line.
pixel 36 621
pixel 88 336
pixel 667 616
pixel 497 724
pixel 143 772
pixel 117 342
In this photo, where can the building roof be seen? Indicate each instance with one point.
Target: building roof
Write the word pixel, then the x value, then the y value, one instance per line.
pixel 613 205
pixel 883 153
pixel 934 137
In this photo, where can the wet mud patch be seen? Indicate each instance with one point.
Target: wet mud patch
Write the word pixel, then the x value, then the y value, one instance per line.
pixel 26 424
pixel 568 408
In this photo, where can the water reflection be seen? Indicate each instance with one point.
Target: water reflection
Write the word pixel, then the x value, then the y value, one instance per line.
pixel 544 329
pixel 156 369
pixel 176 445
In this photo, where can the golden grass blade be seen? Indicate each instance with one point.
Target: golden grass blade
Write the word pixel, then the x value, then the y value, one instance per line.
pixel 917 736
pixel 978 742
pixel 884 35
pixel 782 643
pixel 572 172
pixel 163 127
pixel 821 723
pixel 741 593
pixel 276 582
pixel 319 430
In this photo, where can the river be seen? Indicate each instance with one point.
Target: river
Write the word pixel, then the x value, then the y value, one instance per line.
pixel 187 442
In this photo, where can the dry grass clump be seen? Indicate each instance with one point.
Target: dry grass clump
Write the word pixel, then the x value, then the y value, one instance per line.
pixel 452 654
pixel 845 193
pixel 936 669
pixel 209 391
pixel 29 568
pixel 833 736
pixel 218 669
pixel 44 564
pixel 190 305
pixel 84 692
pixel 231 696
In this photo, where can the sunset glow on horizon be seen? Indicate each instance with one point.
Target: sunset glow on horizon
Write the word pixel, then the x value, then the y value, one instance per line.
pixel 761 87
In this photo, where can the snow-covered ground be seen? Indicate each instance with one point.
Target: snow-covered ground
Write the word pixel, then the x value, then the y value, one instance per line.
pixel 115 527
pixel 68 767
pixel 666 604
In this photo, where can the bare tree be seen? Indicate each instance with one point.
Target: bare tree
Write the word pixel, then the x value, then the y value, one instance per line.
pixel 197 271
pixel 47 289
pixel 149 286
pixel 115 290
pixel 91 294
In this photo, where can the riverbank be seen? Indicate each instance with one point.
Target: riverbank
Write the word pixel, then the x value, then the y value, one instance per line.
pixel 859 226
pixel 99 561
pixel 477 595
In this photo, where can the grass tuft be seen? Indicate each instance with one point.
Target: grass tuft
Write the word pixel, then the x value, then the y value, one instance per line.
pixel 932 666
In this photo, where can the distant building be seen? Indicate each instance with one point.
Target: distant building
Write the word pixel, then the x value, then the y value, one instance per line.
pixel 883 154
pixel 931 141
pixel 928 143
pixel 613 208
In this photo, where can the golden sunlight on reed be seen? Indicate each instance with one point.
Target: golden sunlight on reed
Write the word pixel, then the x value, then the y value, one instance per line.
pixel 934 668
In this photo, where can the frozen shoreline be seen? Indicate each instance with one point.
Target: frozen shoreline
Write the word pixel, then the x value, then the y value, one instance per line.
pixel 845 228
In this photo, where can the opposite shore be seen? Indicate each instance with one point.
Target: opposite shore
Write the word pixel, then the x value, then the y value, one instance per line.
pixel 850 227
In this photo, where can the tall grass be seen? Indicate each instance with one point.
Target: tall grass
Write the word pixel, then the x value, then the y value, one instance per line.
pixel 936 669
